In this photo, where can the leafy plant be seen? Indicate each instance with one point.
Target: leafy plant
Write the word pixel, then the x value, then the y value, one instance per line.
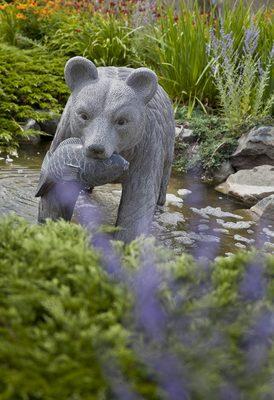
pixel 105 40
pixel 174 48
pixel 240 79
pixel 68 330
pixel 31 84
pixel 9 24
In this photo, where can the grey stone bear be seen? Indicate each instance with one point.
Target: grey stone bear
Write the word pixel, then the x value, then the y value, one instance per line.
pixel 123 110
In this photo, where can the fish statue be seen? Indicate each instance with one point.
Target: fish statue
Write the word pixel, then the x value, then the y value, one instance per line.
pixel 68 163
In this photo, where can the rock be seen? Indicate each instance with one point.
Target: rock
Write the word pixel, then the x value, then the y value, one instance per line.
pixel 184 239
pixel 240 238
pixel 49 126
pixel 184 192
pixel 184 135
pixel 8 159
pixel 173 200
pixel 240 245
pixel 255 148
pixel 32 139
pixel 250 185
pixel 168 218
pixel 187 136
pixel 268 232
pixel 265 208
pixel 31 124
pixel 178 131
pixel 220 230
pixel 235 225
pixel 215 212
pixel 222 173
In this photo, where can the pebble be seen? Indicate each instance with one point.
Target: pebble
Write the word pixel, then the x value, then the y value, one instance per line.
pixel 20 171
pixel 268 232
pixel 250 231
pixel 173 200
pixel 240 238
pixel 240 245
pixel 220 230
pixel 168 218
pixel 215 212
pixel 235 225
pixel 184 192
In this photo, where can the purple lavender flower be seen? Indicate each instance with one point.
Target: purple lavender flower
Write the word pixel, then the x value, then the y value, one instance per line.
pixel 149 313
pixel 251 40
pixel 253 284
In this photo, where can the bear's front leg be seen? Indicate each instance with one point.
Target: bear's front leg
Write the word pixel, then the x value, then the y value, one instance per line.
pixel 139 199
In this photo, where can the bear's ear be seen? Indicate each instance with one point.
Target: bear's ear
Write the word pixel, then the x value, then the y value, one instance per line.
pixel 79 71
pixel 144 82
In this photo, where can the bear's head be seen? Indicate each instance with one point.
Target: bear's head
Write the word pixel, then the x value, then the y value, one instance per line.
pixel 108 114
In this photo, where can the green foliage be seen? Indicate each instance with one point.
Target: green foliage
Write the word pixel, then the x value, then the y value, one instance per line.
pixel 215 141
pixel 60 316
pixel 31 84
pixel 106 40
pixel 240 79
pixel 176 50
pixel 63 321
pixel 9 25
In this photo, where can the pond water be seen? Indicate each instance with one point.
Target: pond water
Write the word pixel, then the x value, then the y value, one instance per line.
pixel 203 222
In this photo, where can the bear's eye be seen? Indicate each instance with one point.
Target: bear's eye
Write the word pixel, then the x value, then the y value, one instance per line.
pixel 83 116
pixel 121 121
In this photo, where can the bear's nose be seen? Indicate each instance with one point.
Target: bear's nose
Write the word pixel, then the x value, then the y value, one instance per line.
pixel 96 150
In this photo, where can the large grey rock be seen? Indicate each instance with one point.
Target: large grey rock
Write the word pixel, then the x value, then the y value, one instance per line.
pixel 222 172
pixel 250 186
pixel 265 208
pixel 255 148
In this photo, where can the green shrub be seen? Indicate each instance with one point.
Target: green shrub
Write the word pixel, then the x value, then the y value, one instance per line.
pixel 60 316
pixel 64 334
pixel 240 78
pixel 31 81
pixel 216 142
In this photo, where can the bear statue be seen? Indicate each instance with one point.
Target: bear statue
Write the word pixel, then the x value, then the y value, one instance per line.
pixel 125 111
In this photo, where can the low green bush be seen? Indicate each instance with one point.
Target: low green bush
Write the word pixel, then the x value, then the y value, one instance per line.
pixel 31 84
pixel 60 316
pixel 67 331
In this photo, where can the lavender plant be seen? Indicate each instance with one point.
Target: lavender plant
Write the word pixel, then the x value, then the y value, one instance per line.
pixel 240 77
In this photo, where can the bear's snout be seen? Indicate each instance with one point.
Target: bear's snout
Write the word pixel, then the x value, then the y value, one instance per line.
pixel 96 151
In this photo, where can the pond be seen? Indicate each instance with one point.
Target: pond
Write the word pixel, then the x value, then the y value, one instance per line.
pixel 202 222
